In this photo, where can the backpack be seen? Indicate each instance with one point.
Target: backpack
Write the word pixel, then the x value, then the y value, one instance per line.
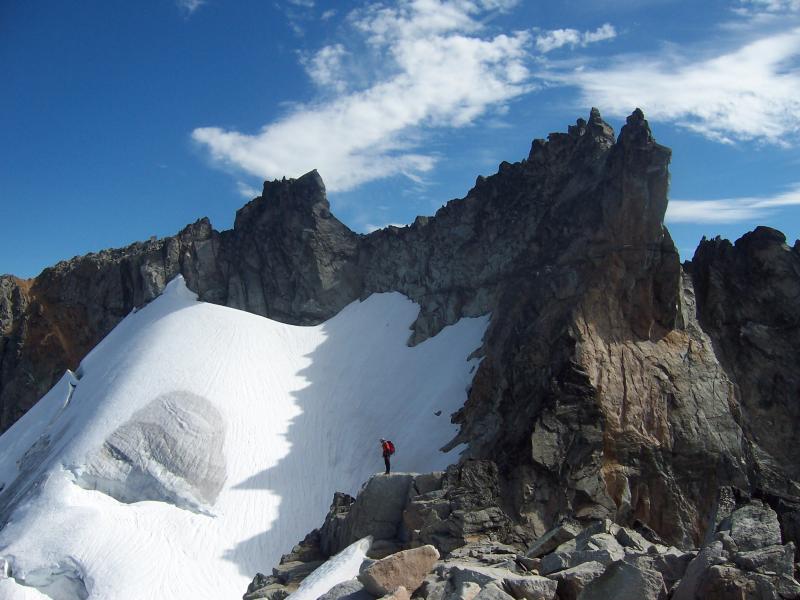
pixel 390 447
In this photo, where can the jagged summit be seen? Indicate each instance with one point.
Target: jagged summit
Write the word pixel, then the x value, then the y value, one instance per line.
pixel 615 383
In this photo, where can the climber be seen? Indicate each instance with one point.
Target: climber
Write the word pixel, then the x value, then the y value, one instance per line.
pixel 388 449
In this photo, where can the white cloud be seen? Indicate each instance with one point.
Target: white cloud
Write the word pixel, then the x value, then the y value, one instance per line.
pixel 189 6
pixel 246 190
pixel 436 67
pixel 751 92
pixel 326 68
pixel 730 210
pixel 772 6
pixel 557 38
pixel 302 3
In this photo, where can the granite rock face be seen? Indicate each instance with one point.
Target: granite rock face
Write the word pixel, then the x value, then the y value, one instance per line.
pixel 615 382
pixel 747 302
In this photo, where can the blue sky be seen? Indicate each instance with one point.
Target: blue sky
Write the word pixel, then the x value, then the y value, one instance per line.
pixel 122 120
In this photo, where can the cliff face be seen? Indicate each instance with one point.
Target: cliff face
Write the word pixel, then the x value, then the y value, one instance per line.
pixel 615 383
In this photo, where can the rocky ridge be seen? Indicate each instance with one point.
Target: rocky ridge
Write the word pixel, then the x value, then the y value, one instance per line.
pixel 615 383
pixel 442 539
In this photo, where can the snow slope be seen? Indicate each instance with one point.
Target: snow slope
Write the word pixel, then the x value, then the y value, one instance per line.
pixel 197 443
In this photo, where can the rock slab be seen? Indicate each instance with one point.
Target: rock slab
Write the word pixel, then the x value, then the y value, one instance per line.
pixel 407 569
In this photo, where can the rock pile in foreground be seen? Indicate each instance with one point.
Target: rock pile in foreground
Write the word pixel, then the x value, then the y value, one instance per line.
pixel 445 536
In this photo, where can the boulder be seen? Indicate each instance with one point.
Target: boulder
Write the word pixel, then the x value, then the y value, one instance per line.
pixel 755 526
pixel 558 561
pixel 672 565
pixel 263 586
pixel 722 582
pixel 531 587
pixel 493 592
pixel 770 560
pixel 600 547
pixel 400 593
pixel 377 511
pixel 709 556
pixel 434 588
pixel 307 550
pixel 466 591
pixel 483 576
pixel 347 590
pixel 626 581
pixel 428 482
pixel 292 573
pixel 633 540
pixel 572 581
pixel 407 568
pixel 383 548
pixel 530 564
pixel 552 539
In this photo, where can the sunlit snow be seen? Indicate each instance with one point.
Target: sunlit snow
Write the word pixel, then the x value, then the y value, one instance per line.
pixel 197 443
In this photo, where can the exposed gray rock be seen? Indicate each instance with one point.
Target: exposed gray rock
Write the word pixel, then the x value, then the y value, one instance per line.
pixel 383 548
pixel 530 564
pixel 755 526
pixel 672 565
pixel 558 561
pixel 292 573
pixel 466 591
pixel 347 590
pixel 493 592
pixel 552 539
pixel 572 581
pixel 633 540
pixel 434 588
pixel 428 482
pixel 483 576
pixel 378 511
pixel 721 582
pixel 626 581
pixel 466 508
pixel 531 587
pixel 770 560
pixel 746 301
pixel 307 550
pixel 600 547
pixel 263 586
pixel 690 584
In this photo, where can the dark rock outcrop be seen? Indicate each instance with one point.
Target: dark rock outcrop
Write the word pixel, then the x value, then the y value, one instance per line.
pixel 615 383
pixel 747 302
pixel 745 559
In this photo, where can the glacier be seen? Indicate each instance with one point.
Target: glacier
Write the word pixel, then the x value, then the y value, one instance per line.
pixel 197 443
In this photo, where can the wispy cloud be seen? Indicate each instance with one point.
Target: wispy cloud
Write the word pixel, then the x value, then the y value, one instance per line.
pixel 771 6
pixel 730 210
pixel 749 92
pixel 439 68
pixel 326 67
pixel 556 38
pixel 246 190
pixel 189 6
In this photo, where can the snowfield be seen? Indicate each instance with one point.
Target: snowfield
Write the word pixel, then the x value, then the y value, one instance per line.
pixel 197 443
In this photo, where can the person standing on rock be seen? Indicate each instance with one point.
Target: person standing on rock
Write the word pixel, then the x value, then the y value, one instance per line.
pixel 388 449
